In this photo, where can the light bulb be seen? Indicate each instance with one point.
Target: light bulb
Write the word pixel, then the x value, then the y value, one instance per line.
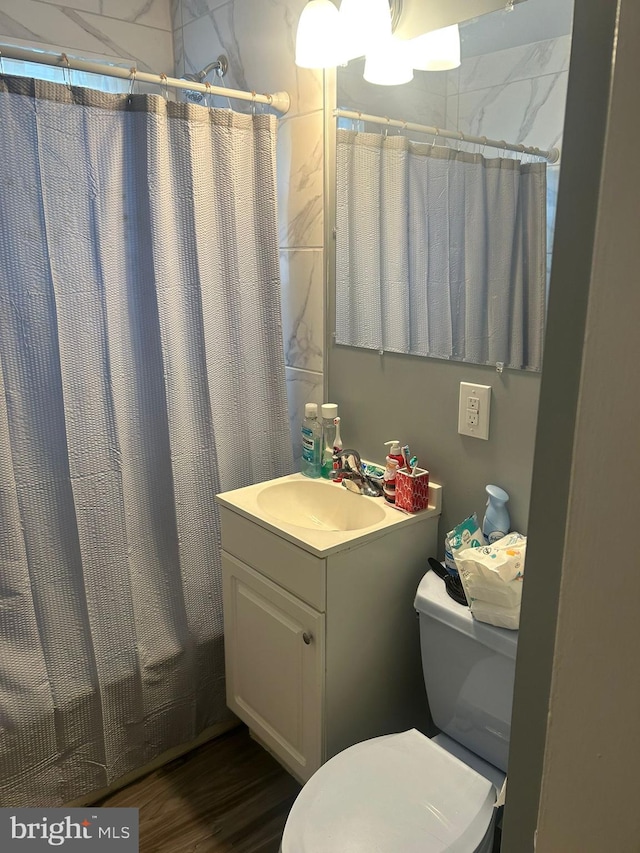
pixel 438 50
pixel 364 24
pixel 317 41
pixel 388 64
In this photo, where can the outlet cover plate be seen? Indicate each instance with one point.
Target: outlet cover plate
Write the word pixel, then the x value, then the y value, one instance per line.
pixel 481 393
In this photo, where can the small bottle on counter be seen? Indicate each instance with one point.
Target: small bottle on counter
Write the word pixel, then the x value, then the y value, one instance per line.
pixel 311 441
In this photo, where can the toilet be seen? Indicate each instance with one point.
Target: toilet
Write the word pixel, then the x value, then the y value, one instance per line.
pixel 405 792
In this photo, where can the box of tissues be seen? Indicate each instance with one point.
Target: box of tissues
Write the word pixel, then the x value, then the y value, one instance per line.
pixel 412 490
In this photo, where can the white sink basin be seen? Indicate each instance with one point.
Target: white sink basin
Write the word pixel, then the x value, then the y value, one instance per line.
pixel 319 506
pixel 320 516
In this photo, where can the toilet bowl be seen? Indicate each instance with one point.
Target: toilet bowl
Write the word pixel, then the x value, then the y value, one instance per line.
pixel 405 792
pixel 398 793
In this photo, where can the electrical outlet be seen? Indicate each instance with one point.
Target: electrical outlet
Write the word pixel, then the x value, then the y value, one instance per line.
pixel 474 407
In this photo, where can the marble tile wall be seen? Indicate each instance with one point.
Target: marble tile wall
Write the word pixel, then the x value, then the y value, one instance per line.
pixel 423 100
pixel 259 40
pixel 519 95
pixel 136 31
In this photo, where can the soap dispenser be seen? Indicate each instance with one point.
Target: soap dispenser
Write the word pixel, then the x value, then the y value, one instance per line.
pixel 496 522
pixel 395 452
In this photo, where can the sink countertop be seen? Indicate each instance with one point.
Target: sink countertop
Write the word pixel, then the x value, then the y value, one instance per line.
pixel 322 542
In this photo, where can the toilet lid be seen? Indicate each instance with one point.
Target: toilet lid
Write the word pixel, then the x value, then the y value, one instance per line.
pixel 394 793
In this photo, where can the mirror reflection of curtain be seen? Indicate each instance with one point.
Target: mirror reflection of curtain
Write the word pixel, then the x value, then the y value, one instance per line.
pixel 439 252
pixel 141 372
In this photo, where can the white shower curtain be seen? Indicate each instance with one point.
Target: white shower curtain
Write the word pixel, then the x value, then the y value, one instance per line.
pixel 141 371
pixel 439 252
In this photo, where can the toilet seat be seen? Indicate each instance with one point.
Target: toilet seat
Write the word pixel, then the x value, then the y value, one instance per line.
pixel 394 793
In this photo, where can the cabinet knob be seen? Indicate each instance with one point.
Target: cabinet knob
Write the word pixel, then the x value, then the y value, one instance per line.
pixel 307 637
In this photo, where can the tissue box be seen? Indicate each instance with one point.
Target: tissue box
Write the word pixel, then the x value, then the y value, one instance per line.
pixel 412 490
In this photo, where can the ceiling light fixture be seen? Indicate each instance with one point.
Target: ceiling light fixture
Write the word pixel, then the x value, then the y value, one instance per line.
pixel 425 36
pixel 317 44
pixel 388 64
pixel 435 51
pixel 365 25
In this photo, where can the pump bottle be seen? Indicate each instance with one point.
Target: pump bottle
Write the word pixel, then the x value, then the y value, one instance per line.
pixel 395 452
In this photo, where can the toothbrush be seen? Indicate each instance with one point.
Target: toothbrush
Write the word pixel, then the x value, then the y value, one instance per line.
pixel 414 464
pixel 337 447
pixel 405 455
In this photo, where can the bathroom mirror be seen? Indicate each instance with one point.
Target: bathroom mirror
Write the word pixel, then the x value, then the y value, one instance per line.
pixel 511 85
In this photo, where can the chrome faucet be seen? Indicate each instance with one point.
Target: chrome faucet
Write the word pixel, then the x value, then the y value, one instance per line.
pixel 354 478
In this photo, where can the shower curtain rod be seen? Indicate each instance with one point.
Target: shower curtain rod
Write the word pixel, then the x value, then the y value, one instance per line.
pixel 551 156
pixel 280 101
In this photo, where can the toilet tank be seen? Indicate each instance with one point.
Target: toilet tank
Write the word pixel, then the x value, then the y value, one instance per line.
pixel 469 670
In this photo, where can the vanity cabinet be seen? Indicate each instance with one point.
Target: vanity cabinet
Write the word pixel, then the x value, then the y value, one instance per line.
pixel 275 665
pixel 322 646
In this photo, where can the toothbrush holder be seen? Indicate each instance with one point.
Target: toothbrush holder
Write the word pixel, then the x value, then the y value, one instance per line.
pixel 412 490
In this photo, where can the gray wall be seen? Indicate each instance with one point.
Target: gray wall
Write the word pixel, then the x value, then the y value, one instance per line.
pixel 591 764
pixel 416 401
pixel 577 694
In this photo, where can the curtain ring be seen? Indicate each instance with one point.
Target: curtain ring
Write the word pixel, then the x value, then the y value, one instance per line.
pixel 253 104
pixel 435 137
pixel 460 139
pixel 66 71
pixel 1 63
pixel 207 96
pixel 132 77
pixel 165 81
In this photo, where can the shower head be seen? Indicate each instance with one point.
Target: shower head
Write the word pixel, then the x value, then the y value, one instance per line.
pixel 220 66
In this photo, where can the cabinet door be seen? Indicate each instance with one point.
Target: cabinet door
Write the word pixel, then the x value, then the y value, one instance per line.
pixel 274 653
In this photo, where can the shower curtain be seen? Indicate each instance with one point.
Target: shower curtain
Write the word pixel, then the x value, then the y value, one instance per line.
pixel 439 252
pixel 141 372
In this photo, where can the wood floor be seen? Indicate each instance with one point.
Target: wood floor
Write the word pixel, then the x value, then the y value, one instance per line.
pixel 228 795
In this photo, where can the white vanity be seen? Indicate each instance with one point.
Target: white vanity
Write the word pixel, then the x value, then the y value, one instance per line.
pixel 322 645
